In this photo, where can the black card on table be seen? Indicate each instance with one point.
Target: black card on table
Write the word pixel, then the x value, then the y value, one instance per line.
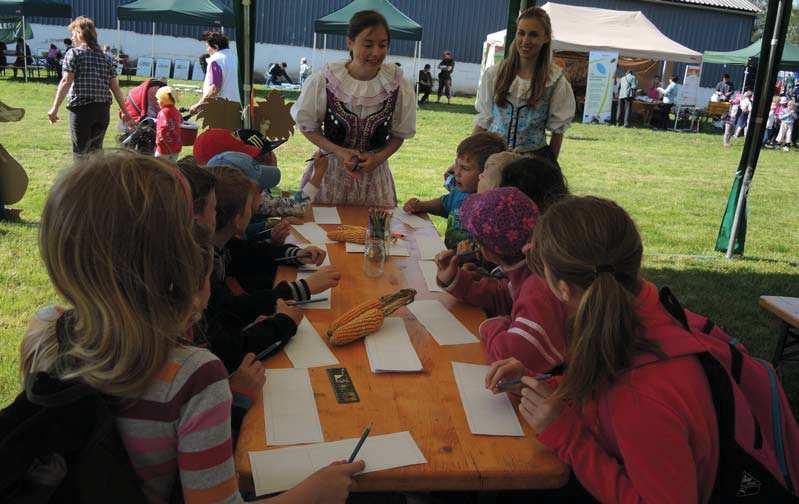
pixel 342 385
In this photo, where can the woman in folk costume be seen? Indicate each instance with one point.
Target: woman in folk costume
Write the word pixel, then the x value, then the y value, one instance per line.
pixel 359 112
pixel 527 94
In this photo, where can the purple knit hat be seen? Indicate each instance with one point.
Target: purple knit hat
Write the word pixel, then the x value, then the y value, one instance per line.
pixel 501 219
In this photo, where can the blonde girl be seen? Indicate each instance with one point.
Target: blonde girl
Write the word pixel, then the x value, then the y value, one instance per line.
pixel 116 239
pixel 527 94
pixel 634 423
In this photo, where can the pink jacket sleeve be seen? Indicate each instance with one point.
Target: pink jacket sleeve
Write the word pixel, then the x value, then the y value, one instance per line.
pixel 657 468
pixel 489 293
pixel 535 333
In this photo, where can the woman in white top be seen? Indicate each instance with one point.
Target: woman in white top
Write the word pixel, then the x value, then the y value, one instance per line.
pixel 360 112
pixel 222 72
pixel 527 94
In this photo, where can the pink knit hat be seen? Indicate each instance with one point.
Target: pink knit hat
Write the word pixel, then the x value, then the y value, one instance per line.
pixel 501 219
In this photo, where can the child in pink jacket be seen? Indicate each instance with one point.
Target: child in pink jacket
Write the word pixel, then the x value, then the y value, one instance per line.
pixel 501 221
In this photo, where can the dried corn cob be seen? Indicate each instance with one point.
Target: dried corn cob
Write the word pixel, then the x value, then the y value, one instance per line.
pixel 352 234
pixel 367 317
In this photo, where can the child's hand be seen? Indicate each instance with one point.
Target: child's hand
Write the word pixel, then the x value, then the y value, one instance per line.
pixel 537 406
pixel 315 255
pixel 412 206
pixel 280 232
pixel 319 169
pixel 249 377
pixel 506 369
pixel 329 485
pixel 447 264
pixel 291 312
pixel 368 162
pixel 325 278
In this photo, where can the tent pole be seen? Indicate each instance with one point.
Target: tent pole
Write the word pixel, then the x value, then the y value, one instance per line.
pixel 247 69
pixel 762 101
pixel 313 54
pixel 119 39
pixel 152 51
pixel 24 51
pixel 324 48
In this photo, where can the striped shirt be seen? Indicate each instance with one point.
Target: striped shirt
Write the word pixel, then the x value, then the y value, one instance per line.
pixel 180 428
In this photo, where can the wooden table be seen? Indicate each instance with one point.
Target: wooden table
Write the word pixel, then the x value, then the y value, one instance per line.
pixel 787 310
pixel 427 404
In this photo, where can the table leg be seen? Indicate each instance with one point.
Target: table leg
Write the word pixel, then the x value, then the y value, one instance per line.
pixel 785 351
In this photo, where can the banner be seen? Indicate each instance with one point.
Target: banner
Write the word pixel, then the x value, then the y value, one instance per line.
pixel 599 86
pixel 181 69
pixel 162 68
pixel 690 85
pixel 144 67
pixel 11 30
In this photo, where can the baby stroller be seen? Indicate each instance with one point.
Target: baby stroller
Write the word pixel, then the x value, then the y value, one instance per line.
pixel 142 106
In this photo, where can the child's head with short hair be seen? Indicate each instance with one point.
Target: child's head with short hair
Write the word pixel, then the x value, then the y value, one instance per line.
pixel 492 173
pixel 472 154
pixel 235 193
pixel 537 177
pixel 165 96
pixel 502 221
pixel 116 240
pixel 203 190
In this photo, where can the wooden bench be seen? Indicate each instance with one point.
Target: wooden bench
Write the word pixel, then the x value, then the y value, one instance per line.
pixel 787 310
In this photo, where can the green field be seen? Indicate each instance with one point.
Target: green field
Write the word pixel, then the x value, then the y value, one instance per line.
pixel 674 184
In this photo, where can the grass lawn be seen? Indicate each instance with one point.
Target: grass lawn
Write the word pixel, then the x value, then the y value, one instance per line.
pixel 674 184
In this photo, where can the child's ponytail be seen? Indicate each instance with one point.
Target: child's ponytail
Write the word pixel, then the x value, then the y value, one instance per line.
pixel 593 246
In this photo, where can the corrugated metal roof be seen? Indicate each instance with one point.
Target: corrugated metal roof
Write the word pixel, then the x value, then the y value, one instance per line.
pixel 736 5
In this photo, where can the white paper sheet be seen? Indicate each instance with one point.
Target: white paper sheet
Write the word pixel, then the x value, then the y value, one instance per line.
pixel 486 413
pixel 307 350
pixel 278 470
pixel 319 305
pixel 429 271
pixel 290 408
pixel 390 348
pixel 312 232
pixel 397 249
pixel 313 267
pixel 411 220
pixel 440 323
pixel 326 215
pixel 429 246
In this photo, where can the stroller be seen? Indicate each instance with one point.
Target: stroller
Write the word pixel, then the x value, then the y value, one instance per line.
pixel 142 106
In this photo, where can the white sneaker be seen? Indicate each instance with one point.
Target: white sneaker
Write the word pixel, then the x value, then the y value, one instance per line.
pixel 786 148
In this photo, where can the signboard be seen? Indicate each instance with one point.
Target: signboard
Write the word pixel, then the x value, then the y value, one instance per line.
pixel 181 69
pixel 690 85
pixel 11 30
pixel 162 68
pixel 599 88
pixel 144 67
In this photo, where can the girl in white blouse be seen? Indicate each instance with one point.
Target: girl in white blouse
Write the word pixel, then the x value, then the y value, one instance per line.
pixel 527 94
pixel 359 112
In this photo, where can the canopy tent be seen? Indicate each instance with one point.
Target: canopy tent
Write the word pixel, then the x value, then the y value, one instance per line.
pixel 583 29
pixel 789 60
pixel 24 8
pixel 193 12
pixel 400 26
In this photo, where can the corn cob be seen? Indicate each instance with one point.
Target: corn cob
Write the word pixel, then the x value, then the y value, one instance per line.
pixel 352 234
pixel 367 317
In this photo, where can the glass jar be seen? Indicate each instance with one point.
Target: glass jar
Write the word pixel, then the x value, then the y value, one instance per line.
pixel 375 254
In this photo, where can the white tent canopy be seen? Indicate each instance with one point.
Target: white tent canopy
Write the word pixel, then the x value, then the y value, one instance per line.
pixel 583 29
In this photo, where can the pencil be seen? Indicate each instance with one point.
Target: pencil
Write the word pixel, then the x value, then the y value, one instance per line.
pixel 323 155
pixel 295 303
pixel 360 443
pixel 271 348
pixel 505 385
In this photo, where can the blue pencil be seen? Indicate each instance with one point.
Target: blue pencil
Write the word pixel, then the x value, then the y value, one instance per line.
pixel 360 443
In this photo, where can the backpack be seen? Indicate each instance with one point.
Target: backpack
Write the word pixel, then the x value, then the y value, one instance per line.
pixel 59 443
pixel 758 434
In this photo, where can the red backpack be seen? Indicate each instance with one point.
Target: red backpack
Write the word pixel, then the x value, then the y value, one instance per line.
pixel 758 434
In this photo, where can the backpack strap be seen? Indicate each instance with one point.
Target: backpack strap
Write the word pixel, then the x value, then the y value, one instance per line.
pixel 673 306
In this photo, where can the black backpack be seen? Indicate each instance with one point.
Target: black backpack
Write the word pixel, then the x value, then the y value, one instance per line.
pixel 59 443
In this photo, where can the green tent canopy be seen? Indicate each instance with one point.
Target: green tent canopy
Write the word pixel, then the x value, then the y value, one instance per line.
pixel 48 8
pixel 401 26
pixel 194 12
pixel 789 61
